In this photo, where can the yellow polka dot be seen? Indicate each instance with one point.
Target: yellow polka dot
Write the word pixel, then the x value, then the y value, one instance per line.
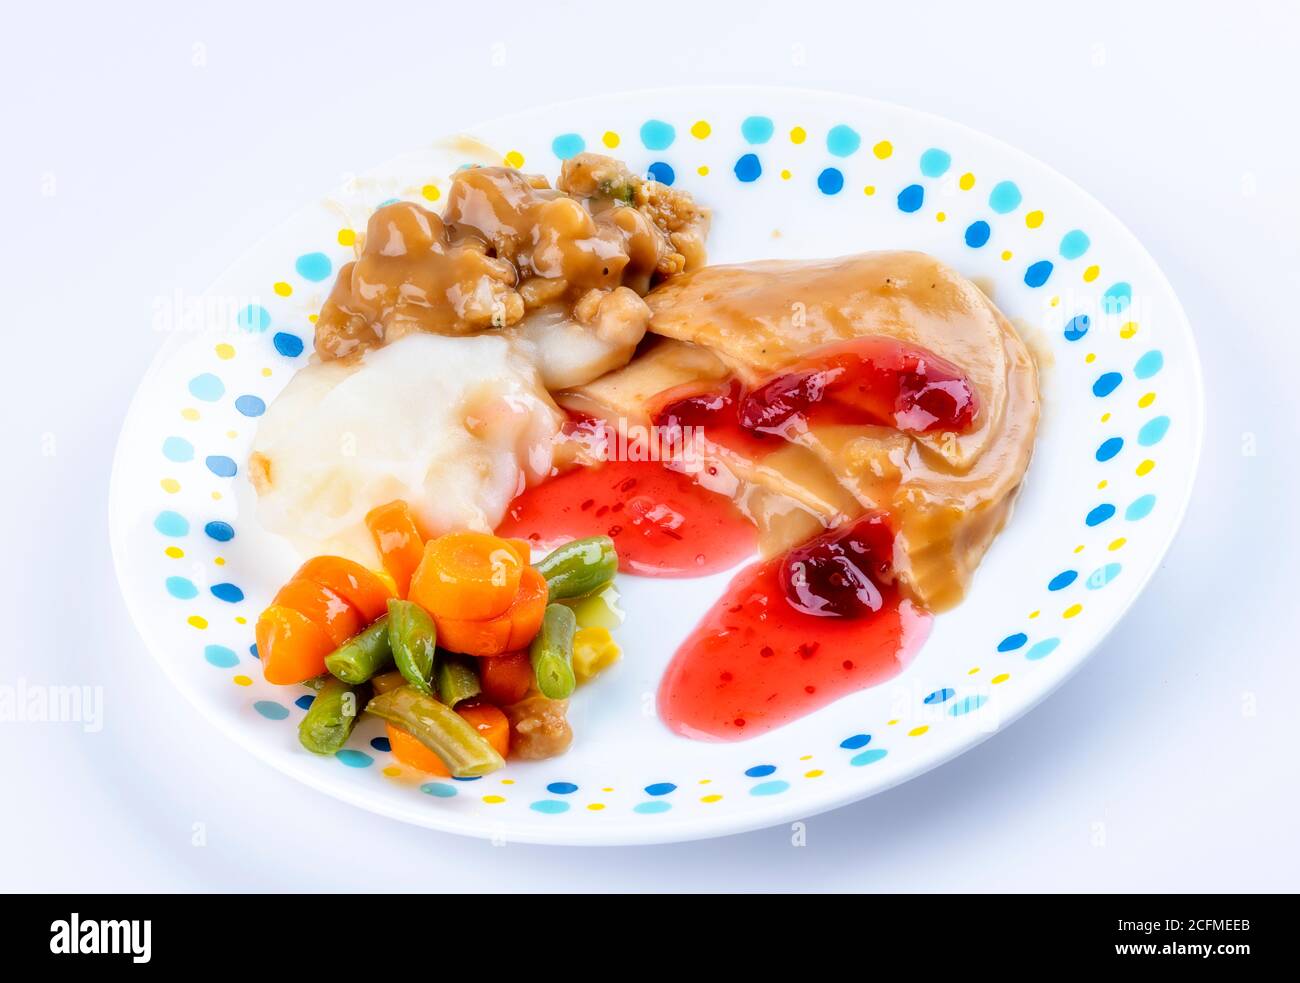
pixel 939 217
pixel 219 561
pixel 240 619
pixel 607 790
pixel 431 192
pixel 918 731
pixel 702 170
pixel 232 434
pixel 493 800
pixel 282 289
pixel 1034 614
pixel 785 175
pixel 883 149
pixel 1054 301
pixel 805 757
pixel 1105 418
pixel 170 485
pixel 347 237
pixel 1000 678
pixel 1116 544
pixel 190 413
pixel 1079 548
pixel 1034 219
pixel 266 373
pixel 1072 610
pixel 1129 329
pixel 1147 400
pixel 1102 484
pixel 706 781
pixel 242 681
pixel 1090 357
pixel 798 135
pixel 891 722
pixel 596 806
pixel 1091 273
pixel 507 781
pixel 392 772
pixel 1145 467
pixel 197 621
pixel 973 672
pixel 966 182
pixel 225 351
pixel 701 130
pixel 514 159
pixel 216 496
pixel 610 139
pixel 815 773
pixel 175 552
pixel 869 190
pixel 710 798
pixel 1006 254
pixel 313 318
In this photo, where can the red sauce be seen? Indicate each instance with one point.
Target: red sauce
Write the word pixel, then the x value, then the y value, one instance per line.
pixel 792 635
pixel 663 523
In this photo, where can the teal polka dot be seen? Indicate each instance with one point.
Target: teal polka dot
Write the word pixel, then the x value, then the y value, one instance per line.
pixel 868 757
pixel 568 145
pixel 439 790
pixel 843 140
pixel 178 449
pixel 1102 576
pixel 657 135
pixel 221 657
pixel 769 788
pixel 650 808
pixel 181 588
pixel 1140 508
pixel 313 266
pixel 757 129
pixel 1149 364
pixel 1074 244
pixel 935 162
pixel 172 524
pixel 354 759
pixel 550 807
pixel 1117 298
pixel 1005 197
pixel 207 387
pixel 271 710
pixel 967 704
pixel 1153 431
pixel 1040 650
pixel 254 317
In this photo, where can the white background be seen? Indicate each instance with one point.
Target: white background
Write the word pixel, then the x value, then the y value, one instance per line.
pixel 175 138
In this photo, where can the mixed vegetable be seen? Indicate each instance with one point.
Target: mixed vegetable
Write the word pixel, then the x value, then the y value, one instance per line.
pixel 464 648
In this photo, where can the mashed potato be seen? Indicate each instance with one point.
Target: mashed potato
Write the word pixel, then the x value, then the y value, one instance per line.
pixel 454 426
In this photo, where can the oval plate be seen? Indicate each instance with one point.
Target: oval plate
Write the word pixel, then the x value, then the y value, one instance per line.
pixel 789 174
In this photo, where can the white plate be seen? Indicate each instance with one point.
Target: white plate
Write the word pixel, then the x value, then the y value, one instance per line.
pixel 789 174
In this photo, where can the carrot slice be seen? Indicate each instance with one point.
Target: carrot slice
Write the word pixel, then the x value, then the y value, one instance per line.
pixel 490 723
pixel 513 629
pixel 467 575
pixel 399 542
pixel 337 617
pixel 522 549
pixel 354 583
pixel 527 610
pixel 505 679
pixel 292 647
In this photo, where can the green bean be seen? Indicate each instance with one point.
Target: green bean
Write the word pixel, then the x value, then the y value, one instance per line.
pixel 414 640
pixel 439 728
pixel 387 680
pixel 329 719
pixel 552 653
pixel 457 678
pixel 579 568
pixel 362 655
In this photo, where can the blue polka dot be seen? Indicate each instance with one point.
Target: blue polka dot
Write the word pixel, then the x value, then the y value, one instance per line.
pixel 305 701
pixel 252 650
pixel 1153 431
pixel 1149 364
pixel 181 588
pixel 1074 244
pixel 967 704
pixel 550 807
pixel 354 759
pixel 660 788
pixel 1038 273
pixel 227 592
pixel 867 757
pixel 568 145
pixel 221 466
pixel 650 808
pixel 935 162
pixel 977 233
pixel 207 387
pixel 1102 576
pixel 1005 197
pixel 222 532
pixel 271 710
pixel 657 135
pixel 769 788
pixel 220 656
pixel 661 172
pixel 1063 580
pixel 1117 298
pixel 1040 650
pixel 1100 514
pixel 561 788
pixel 759 771
pixel 748 168
pixel 1109 448
pixel 288 345
pixel 172 524
pixel 1140 508
pixel 757 129
pixel 254 317
pixel 911 198
pixel 940 696
pixel 1106 384
pixel 381 744
pixel 250 405
pixel 830 181
pixel 1077 327
pixel 1012 642
pixel 393 201
pixel 313 266
pixel 471 778
pixel 439 790
pixel 178 449
pixel 843 140
pixel 855 742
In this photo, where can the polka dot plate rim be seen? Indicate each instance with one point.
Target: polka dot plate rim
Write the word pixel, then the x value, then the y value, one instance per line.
pixel 789 173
